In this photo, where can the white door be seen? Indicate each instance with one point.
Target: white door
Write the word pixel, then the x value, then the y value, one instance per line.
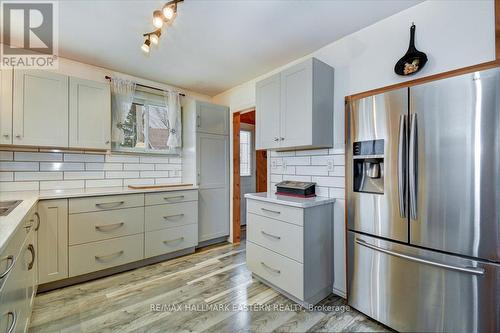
pixel 6 106
pixel 53 240
pixel 213 182
pixel 212 119
pixel 296 106
pixel 89 114
pixel 267 112
pixel 40 112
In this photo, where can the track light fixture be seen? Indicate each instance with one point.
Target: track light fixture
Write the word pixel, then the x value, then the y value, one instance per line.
pixel 166 15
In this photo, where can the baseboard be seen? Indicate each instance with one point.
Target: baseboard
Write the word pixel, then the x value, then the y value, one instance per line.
pixel 113 270
pixel 339 293
pixel 212 241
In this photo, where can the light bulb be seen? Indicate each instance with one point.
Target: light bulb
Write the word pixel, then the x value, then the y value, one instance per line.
pixel 146 46
pixel 157 19
pixel 168 12
pixel 154 39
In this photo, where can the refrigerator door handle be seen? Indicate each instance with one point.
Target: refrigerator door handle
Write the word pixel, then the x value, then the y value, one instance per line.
pixel 402 166
pixel 470 270
pixel 413 167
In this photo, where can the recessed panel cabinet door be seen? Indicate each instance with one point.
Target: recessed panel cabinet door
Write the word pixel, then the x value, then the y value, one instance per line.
pixel 89 114
pixel 296 106
pixel 267 113
pixel 53 240
pixel 40 111
pixel 212 119
pixel 6 106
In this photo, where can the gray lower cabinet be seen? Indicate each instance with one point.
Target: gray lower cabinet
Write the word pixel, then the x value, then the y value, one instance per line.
pixel 290 248
pixel 18 277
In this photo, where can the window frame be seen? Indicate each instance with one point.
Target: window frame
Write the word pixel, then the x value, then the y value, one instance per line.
pixel 249 155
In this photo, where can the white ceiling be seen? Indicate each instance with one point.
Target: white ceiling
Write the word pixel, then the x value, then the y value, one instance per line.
pixel 212 45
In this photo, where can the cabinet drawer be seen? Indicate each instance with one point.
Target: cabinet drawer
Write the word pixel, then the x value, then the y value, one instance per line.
pixel 170 240
pixel 171 197
pixel 100 255
pixel 12 253
pixel 280 212
pixel 93 204
pixel 171 215
pixel 284 238
pixel 94 226
pixel 284 273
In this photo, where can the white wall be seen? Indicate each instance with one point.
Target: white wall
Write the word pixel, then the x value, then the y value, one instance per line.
pixel 454 34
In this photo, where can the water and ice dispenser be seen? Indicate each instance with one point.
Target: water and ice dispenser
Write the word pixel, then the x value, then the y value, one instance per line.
pixel 368 165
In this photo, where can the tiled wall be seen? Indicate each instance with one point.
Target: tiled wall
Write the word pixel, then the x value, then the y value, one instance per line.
pixel 47 170
pixel 311 166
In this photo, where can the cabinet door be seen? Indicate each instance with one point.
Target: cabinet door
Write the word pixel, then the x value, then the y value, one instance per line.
pixel 53 240
pixel 89 114
pixel 213 181
pixel 212 119
pixel 40 110
pixel 267 112
pixel 6 106
pixel 296 106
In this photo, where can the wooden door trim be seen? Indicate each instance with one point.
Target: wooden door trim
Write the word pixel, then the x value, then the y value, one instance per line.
pixel 236 178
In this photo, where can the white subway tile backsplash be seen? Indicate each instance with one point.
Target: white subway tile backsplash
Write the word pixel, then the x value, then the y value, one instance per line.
pixel 83 158
pixel 322 191
pixel 338 160
pixel 18 186
pixel 38 175
pixel 168 167
pixel 122 174
pixel 138 167
pixel 338 193
pixel 46 169
pixel 6 155
pixel 103 166
pixel 83 175
pixel 282 153
pixel 311 152
pixel 276 178
pixel 336 151
pixel 104 183
pixel 329 181
pixel 303 160
pixel 338 170
pixel 297 178
pixel 312 170
pixel 61 184
pixel 122 159
pixel 61 166
pixel 19 166
pixel 138 182
pixel 6 176
pixel 37 157
pixel 154 159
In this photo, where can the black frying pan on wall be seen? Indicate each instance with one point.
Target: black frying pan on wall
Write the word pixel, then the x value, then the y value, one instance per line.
pixel 413 61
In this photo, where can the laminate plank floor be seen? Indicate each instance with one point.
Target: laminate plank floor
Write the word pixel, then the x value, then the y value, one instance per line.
pixel 208 291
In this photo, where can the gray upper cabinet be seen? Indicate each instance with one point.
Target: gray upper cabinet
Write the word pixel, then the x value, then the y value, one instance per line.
pixel 40 108
pixel 5 106
pixel 294 108
pixel 89 114
pixel 212 118
pixel 268 112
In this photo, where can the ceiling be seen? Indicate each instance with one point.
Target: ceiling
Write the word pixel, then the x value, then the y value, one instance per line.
pixel 212 45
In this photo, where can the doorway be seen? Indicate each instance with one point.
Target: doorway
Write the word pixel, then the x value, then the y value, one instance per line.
pixel 249 168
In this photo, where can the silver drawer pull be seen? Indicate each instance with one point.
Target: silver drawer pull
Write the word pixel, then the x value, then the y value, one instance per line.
pixel 109 227
pixel 109 204
pixel 116 254
pixel 170 216
pixel 37 221
pixel 31 248
pixel 271 211
pixel 269 235
pixel 172 198
pixel 277 271
pixel 13 323
pixel 173 240
pixel 9 267
pixel 471 270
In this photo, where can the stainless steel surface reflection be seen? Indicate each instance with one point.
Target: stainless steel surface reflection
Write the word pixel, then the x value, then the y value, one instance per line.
pixel 8 206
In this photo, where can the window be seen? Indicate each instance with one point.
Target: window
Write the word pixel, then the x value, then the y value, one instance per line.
pixel 245 153
pixel 146 127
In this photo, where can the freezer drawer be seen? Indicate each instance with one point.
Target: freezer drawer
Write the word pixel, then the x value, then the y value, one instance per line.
pixel 412 289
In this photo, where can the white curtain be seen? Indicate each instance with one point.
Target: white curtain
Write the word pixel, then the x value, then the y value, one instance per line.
pixel 173 103
pixel 122 92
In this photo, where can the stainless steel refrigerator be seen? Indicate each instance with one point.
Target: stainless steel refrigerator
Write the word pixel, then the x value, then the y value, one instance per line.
pixel 423 205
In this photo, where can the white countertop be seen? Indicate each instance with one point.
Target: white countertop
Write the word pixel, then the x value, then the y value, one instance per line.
pixel 290 201
pixel 10 223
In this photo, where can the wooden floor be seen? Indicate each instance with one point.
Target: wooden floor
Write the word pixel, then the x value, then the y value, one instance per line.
pixel 209 291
